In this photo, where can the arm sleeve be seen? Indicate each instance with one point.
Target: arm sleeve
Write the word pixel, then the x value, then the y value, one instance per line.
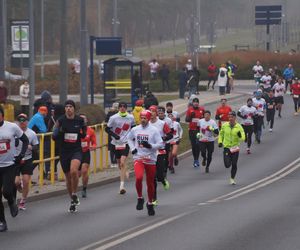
pixel 243 133
pixel 216 128
pixel 188 116
pixel 130 138
pixel 56 132
pixel 25 143
pixel 217 115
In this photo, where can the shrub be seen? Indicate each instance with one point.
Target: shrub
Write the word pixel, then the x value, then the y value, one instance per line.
pixel 93 112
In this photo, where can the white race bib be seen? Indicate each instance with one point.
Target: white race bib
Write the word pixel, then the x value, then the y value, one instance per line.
pixel 71 137
pixel 195 120
pixel 120 147
pixel 3 148
pixel 84 144
pixel 296 96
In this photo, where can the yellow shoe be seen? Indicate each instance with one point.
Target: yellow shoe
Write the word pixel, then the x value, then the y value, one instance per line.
pixel 155 203
pixel 232 181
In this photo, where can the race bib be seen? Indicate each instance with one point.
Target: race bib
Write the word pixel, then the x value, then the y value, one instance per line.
pixel 3 148
pixel 120 147
pixel 270 106
pixel 195 120
pixel 162 152
pixel 84 144
pixel 296 96
pixel 234 149
pixel 71 137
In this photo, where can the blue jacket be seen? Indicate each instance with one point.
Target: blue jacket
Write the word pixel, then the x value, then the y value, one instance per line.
pixel 37 123
pixel 288 74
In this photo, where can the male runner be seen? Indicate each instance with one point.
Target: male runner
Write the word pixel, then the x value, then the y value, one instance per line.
pixel 295 88
pixel 279 91
pixel 260 104
pixel 270 107
pixel 222 112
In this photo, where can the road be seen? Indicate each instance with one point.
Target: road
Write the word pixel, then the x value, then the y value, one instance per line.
pixel 198 212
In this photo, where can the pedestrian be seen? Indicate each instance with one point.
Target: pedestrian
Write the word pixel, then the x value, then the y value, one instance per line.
pixel 270 109
pixel 165 74
pixel 258 71
pixel 279 91
pixel 25 167
pixel 288 75
pixel 222 112
pixel 138 108
pixel 88 144
pixel 3 92
pixel 150 100
pixel 113 110
pixel 189 66
pixel 260 104
pixel 230 137
pixel 197 74
pixel 119 126
pixel 136 86
pixel 208 129
pixel 192 82
pixel 247 113
pixel 234 68
pixel 24 95
pixel 69 130
pixel 8 161
pixel 144 141
pixel 154 66
pixel 295 88
pixel 222 79
pixel 183 78
pixel 212 74
pixel 192 116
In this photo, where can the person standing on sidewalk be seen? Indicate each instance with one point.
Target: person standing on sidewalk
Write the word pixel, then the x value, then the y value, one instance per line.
pixel 154 66
pixel 192 116
pixel 144 141
pixel 25 167
pixel 212 73
pixel 119 126
pixel 69 130
pixel 231 135
pixel 8 161
pixel 183 78
pixel 24 95
pixel 164 74
pixel 222 112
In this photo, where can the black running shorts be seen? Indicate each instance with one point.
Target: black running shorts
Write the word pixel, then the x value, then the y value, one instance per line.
pixel 120 152
pixel 66 158
pixel 25 169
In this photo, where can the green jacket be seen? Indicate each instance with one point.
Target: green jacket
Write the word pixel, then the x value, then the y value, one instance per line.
pixel 228 136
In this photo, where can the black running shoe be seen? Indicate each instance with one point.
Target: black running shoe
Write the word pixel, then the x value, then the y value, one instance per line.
pixel 151 211
pixel 83 193
pixel 3 226
pixel 176 161
pixel 204 162
pixel 206 170
pixel 172 170
pixel 75 200
pixel 140 204
pixel 14 210
pixel 73 208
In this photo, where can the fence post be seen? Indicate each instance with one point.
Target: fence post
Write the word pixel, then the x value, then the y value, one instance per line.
pixel 101 147
pixel 52 161
pixel 41 164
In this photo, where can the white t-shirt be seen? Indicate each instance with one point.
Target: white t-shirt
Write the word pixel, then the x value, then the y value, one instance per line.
pixel 177 132
pixel 279 89
pixel 222 80
pixel 120 126
pixel 260 105
pixel 257 69
pixel 153 67
pixel 249 112
pixel 8 132
pixel 33 140
pixel 206 135
pixel 266 81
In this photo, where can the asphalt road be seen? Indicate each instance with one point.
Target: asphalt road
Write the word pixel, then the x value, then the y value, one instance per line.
pixel 193 214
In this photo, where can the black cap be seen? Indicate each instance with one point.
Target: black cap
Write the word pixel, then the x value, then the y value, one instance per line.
pixel 70 102
pixel 232 113
pixel 122 104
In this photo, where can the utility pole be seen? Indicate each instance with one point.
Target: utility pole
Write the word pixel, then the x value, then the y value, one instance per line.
pixel 42 38
pixel 31 58
pixel 198 30
pixel 63 86
pixel 115 20
pixel 83 54
pixel 5 31
pixel 2 56
pixel 99 17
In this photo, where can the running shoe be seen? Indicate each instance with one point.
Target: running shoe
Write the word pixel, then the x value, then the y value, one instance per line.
pixel 248 151
pixel 270 130
pixel 166 185
pixel 232 181
pixel 3 226
pixel 204 162
pixel 279 115
pixel 196 164
pixel 140 204
pixel 122 191
pixel 75 200
pixel 207 170
pixel 13 209
pixel 296 113
pixel 150 208
pixel 155 203
pixel 172 170
pixel 73 208
pixel 176 161
pixel 22 205
pixel 83 193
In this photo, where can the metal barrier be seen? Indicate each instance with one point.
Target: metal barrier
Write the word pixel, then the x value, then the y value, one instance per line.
pixel 9 111
pixel 99 156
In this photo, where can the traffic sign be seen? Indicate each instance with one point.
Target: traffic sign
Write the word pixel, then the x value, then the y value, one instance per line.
pixel 128 52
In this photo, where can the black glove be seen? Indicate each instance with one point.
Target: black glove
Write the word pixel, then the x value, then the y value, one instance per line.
pixel 18 159
pixel 192 114
pixel 164 138
pixel 117 137
pixel 220 145
pixel 146 144
pixel 134 151
pixel 239 134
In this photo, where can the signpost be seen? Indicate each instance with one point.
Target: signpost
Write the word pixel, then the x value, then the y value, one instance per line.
pixel 268 15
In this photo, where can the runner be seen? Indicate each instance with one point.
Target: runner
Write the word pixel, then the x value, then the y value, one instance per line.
pixel 208 128
pixel 8 132
pixel 288 75
pixel 260 104
pixel 174 143
pixel 25 167
pixel 88 144
pixel 193 115
pixel 161 165
pixel 270 106
pixel 68 132
pixel 222 112
pixel 247 113
pixel 257 70
pixel 265 81
pixel 279 91
pixel 118 127
pixel 231 134
pixel 295 88
pixel 169 110
pixel 144 141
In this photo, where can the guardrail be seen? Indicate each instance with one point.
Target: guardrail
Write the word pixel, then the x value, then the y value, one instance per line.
pixel 99 157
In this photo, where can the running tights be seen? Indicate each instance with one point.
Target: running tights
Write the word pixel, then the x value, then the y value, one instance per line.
pixel 270 117
pixel 194 144
pixel 230 160
pixel 296 103
pixel 248 133
pixel 209 148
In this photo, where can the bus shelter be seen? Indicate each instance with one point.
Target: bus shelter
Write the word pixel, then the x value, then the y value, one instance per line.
pixel 122 79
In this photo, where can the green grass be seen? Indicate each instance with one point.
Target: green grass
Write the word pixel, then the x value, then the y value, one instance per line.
pixel 185 141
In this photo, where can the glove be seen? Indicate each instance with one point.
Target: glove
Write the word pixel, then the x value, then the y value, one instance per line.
pixel 203 131
pixel 134 151
pixel 192 114
pixel 209 128
pixel 220 145
pixel 146 144
pixel 239 134
pixel 117 137
pixel 198 135
pixel 18 159
pixel 164 138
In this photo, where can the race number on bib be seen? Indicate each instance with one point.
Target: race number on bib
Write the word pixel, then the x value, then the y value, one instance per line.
pixel 120 147
pixel 71 137
pixel 234 149
pixel 195 120
pixel 3 148
pixel 296 96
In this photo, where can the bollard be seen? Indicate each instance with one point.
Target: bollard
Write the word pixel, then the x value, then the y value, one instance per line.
pixel 41 163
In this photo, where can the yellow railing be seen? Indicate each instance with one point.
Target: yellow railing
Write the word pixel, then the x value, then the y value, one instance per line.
pixel 99 156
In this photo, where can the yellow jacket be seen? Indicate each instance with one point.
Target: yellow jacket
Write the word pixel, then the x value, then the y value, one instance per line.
pixel 136 113
pixel 228 135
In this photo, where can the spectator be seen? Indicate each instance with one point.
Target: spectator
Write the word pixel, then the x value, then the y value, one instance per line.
pixel 153 69
pixel 24 94
pixel 45 100
pixel 150 100
pixel 222 79
pixel 113 110
pixel 229 83
pixel 3 92
pixel 189 66
pixel 288 75
pixel 37 122
pixel 164 74
pixel 183 78
pixel 212 73
pixel 137 110
pixel 76 67
pixel 192 83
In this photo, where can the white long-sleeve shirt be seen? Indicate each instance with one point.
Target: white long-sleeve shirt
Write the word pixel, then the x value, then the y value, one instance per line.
pixel 177 133
pixel 149 134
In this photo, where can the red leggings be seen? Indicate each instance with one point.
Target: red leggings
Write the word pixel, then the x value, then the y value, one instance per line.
pixel 139 168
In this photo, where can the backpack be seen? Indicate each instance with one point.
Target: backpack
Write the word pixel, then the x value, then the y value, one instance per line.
pixel 222 73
